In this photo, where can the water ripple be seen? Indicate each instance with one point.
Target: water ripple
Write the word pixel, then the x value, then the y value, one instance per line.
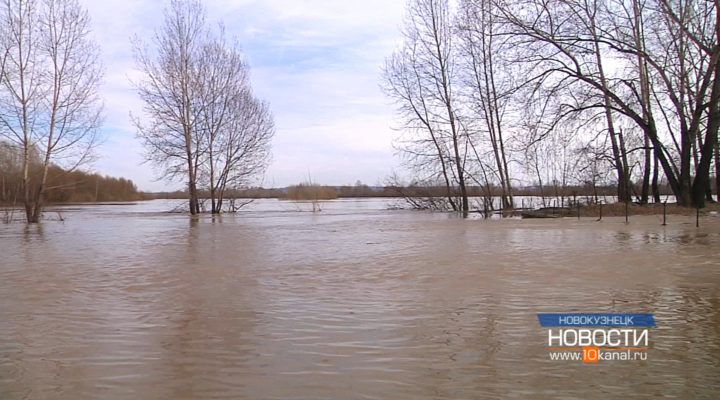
pixel 127 302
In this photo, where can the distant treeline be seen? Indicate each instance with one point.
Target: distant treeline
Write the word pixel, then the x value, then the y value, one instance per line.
pixel 71 187
pixel 324 192
pixel 62 186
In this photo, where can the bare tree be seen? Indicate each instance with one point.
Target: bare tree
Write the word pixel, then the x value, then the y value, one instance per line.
pixel 634 83
pixel 170 134
pixel 245 146
pixel 589 10
pixel 425 149
pixel 50 104
pixel 555 37
pixel 487 80
pixel 420 78
pixel 203 122
pixel 235 126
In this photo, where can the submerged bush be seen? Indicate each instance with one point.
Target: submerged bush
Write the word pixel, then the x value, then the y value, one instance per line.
pixel 310 191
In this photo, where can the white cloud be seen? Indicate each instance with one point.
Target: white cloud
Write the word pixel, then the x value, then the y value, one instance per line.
pixel 316 61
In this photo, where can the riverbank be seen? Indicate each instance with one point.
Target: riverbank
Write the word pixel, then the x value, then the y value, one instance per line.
pixel 620 209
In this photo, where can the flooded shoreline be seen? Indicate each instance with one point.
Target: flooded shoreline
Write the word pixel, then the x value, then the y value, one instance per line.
pixel 354 302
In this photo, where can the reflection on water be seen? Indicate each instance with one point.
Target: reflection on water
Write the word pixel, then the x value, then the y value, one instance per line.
pixel 128 302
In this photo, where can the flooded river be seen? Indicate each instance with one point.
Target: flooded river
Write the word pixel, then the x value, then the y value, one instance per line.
pixel 354 302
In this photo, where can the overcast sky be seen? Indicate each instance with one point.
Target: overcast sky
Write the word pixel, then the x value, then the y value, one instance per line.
pixel 317 62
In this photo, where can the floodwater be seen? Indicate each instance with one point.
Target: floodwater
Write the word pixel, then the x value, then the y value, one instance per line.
pixel 354 302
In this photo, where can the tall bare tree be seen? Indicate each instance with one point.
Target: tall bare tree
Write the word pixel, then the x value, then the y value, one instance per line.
pixel 202 122
pixel 170 132
pixel 425 149
pixel 236 127
pixel 489 86
pixel 426 66
pixel 589 10
pixel 50 78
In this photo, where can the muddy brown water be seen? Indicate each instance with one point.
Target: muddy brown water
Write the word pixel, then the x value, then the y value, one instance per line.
pixel 354 302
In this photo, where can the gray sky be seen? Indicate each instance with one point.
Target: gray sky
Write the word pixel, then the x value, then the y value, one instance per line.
pixel 317 62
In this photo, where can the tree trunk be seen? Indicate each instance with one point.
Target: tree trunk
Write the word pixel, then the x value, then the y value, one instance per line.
pixel 639 34
pixel 655 177
pixel 463 189
pixel 645 191
pixel 680 190
pixel 702 175
pixel 626 166
pixel 717 170
pixel 193 199
pixel 702 179
pixel 620 168
pixel 26 186
pixel 448 188
pixel 40 194
pixel 443 59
